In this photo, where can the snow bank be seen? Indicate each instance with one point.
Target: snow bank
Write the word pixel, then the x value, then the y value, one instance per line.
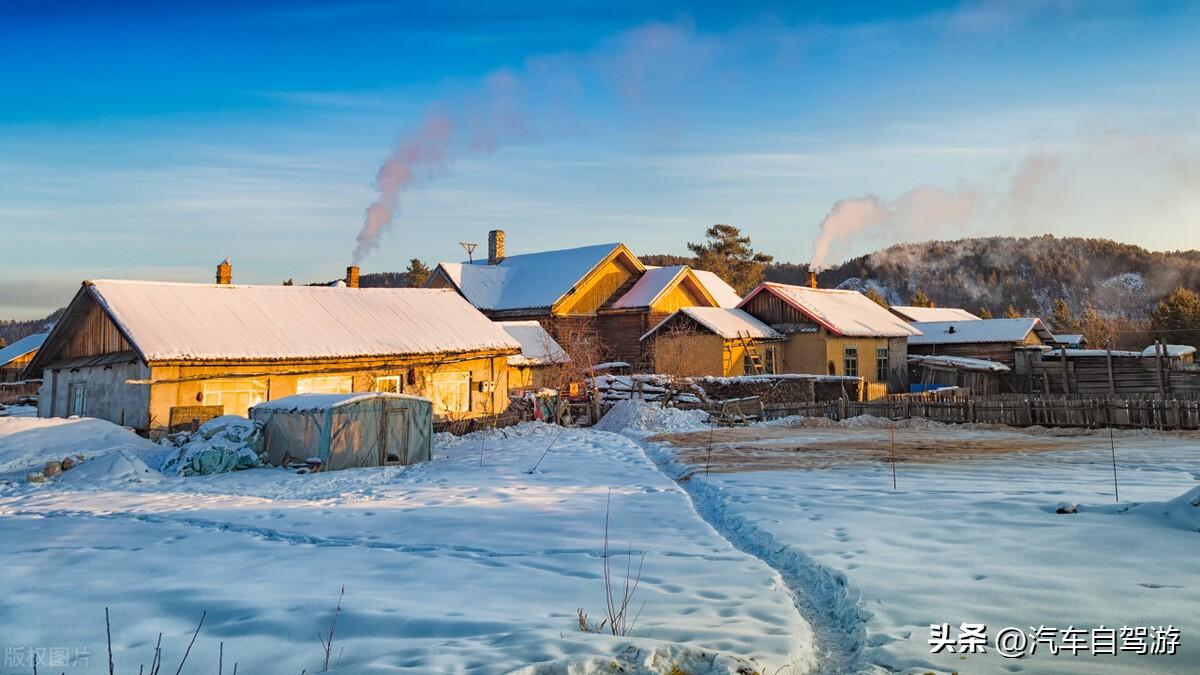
pixel 641 417
pixel 107 470
pixel 28 443
pixel 1182 512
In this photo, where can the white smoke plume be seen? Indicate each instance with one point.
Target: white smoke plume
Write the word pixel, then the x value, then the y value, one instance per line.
pixel 425 149
pixel 920 210
pixel 645 68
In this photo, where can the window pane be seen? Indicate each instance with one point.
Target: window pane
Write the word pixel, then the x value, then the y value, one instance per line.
pixel 237 396
pixel 325 384
pixel 388 384
pixel 451 393
pixel 850 361
pixel 881 364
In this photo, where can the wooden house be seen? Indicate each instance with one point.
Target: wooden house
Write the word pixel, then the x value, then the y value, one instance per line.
pixel 601 292
pixel 155 356
pixel 14 387
pixel 982 377
pixel 540 358
pixel 915 314
pixel 14 357
pixel 835 332
pixel 1069 341
pixel 720 341
pixel 988 339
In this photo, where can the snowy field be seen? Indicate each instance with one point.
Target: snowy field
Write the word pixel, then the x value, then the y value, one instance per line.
pixel 968 536
pixel 794 554
pixel 451 566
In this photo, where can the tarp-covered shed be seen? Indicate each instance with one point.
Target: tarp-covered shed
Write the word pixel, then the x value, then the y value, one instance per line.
pixel 346 431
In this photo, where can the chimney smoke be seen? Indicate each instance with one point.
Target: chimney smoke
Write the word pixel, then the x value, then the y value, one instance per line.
pixel 225 273
pixel 352 276
pixel 495 247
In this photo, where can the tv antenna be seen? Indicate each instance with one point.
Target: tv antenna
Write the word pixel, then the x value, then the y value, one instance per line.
pixel 470 249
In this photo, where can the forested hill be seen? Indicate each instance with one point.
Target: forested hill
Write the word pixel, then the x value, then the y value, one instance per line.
pixel 1029 273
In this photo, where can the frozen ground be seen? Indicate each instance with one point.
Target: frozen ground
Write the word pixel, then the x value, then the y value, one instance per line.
pixel 448 567
pixel 970 535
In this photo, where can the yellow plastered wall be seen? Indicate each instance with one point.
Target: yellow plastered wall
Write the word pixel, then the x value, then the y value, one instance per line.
pixel 183 384
pixel 689 355
pixel 866 346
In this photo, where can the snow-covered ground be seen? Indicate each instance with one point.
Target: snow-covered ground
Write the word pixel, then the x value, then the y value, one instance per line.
pixel 450 566
pixel 966 539
pixel 793 555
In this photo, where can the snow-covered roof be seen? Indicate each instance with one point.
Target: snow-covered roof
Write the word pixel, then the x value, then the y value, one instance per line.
pixel 933 313
pixel 304 402
pixel 727 322
pixel 1068 339
pixel 537 347
pixel 847 313
pixel 174 321
pixel 653 283
pixel 1171 350
pixel 27 344
pixel 961 362
pixel 526 281
pixel 978 330
pixel 721 291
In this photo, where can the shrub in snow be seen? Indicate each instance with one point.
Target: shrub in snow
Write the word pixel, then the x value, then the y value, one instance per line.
pixel 220 445
pixel 1066 507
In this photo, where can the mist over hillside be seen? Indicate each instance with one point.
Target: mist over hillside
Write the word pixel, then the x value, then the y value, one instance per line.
pixel 1030 273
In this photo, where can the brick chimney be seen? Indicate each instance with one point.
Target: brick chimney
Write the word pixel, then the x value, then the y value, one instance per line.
pixel 812 279
pixel 352 276
pixel 225 272
pixel 495 247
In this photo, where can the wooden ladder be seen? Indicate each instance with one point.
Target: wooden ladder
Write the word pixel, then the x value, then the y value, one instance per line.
pixel 752 351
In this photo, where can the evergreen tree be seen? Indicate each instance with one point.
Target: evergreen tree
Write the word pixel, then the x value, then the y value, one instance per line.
pixel 984 313
pixel 1097 329
pixel 919 299
pixel 417 273
pixel 876 297
pixel 728 254
pixel 1011 313
pixel 1176 317
pixel 1060 317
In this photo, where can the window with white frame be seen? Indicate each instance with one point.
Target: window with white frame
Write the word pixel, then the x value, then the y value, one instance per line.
pixel 325 384
pixel 451 392
pixel 850 361
pixel 237 396
pixel 388 384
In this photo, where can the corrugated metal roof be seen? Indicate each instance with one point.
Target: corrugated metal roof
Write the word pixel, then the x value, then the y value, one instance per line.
pixel 184 322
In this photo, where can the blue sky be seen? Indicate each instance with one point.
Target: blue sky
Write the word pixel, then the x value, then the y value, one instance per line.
pixel 154 139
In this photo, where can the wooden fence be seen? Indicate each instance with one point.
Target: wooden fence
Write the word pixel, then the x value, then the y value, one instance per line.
pixel 1018 410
